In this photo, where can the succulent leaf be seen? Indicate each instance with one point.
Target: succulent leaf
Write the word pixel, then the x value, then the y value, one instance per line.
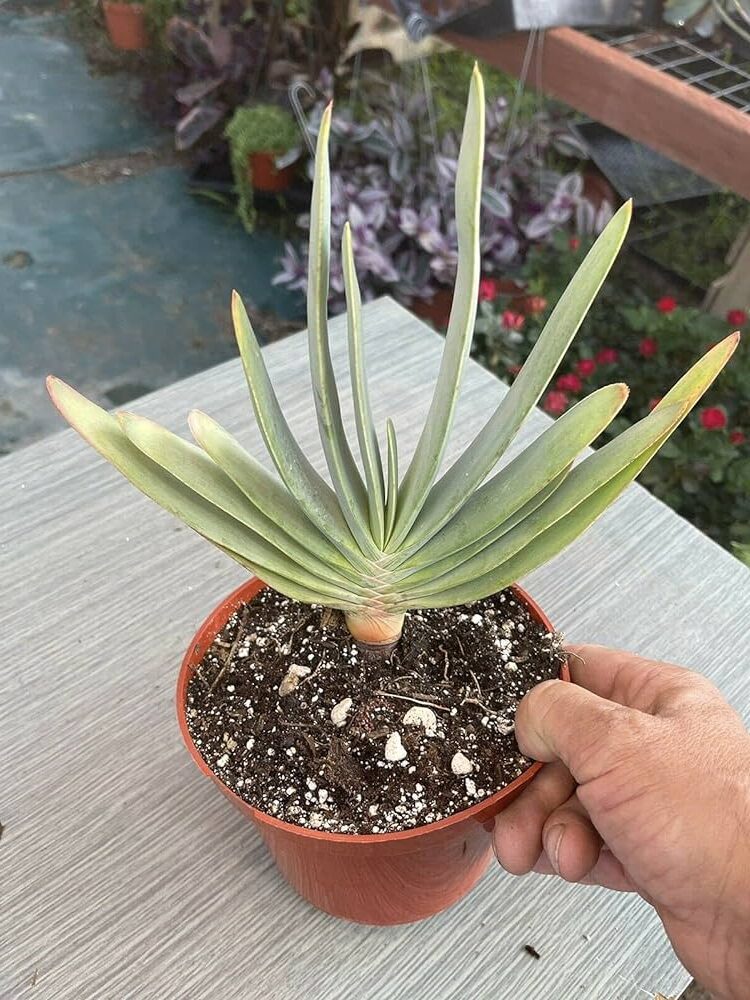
pixel 208 518
pixel 312 492
pixel 425 463
pixel 267 493
pixel 485 516
pixel 368 439
pixel 452 490
pixel 392 504
pixel 347 481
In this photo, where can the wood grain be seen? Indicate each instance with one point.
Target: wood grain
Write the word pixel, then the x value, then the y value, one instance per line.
pixel 631 97
pixel 123 872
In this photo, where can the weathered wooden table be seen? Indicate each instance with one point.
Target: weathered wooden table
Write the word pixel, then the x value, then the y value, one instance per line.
pixel 125 876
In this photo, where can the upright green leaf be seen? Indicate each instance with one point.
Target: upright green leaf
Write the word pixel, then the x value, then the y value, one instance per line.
pixel 392 504
pixel 465 475
pixel 347 481
pixel 314 495
pixel 368 439
pixel 431 445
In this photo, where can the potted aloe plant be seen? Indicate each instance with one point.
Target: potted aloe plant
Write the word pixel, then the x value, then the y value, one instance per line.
pixel 263 151
pixel 356 696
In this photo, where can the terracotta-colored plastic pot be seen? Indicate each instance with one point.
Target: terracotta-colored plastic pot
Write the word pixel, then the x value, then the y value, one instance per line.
pixel 382 878
pixel 265 175
pixel 437 308
pixel 126 25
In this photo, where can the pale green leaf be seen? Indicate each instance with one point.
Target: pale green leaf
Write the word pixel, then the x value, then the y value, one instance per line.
pixel 430 448
pixel 368 439
pixel 347 481
pixel 267 492
pixel 404 577
pixel 392 504
pixel 619 462
pixel 202 475
pixel 465 475
pixel 103 432
pixel 592 473
pixel 484 517
pixel 312 492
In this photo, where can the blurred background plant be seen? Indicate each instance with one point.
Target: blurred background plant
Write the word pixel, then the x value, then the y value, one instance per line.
pixel 262 128
pixel 704 471
pixel 394 153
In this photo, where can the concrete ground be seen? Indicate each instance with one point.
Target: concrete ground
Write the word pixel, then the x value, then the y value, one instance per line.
pixel 112 275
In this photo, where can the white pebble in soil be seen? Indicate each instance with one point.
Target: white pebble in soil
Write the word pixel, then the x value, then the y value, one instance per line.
pixel 394 748
pixel 291 679
pixel 422 716
pixel 460 764
pixel 471 788
pixel 340 712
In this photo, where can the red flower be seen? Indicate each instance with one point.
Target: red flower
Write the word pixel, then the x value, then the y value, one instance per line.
pixel 488 289
pixel 586 367
pixel 736 317
pixel 653 403
pixel 555 402
pixel 713 418
pixel 648 347
pixel 570 382
pixel 574 243
pixel 737 436
pixel 535 304
pixel 512 320
pixel 666 304
pixel 607 356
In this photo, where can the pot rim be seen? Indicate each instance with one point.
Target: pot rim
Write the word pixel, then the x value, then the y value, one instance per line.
pixel 210 628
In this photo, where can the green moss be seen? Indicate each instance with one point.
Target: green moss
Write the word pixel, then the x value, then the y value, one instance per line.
pixel 264 128
pixel 450 73
pixel 693 239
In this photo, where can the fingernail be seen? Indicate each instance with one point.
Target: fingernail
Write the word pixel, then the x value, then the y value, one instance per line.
pixel 552 840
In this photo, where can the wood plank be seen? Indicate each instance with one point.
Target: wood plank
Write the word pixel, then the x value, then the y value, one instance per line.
pixel 678 120
pixel 126 875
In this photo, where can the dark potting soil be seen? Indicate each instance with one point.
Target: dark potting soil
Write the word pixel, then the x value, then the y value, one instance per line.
pixel 296 719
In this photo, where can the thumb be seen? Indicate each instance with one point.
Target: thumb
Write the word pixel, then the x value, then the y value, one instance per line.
pixel 558 720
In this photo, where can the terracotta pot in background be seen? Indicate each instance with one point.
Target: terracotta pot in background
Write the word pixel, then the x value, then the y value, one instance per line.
pixel 126 25
pixel 264 174
pixel 597 189
pixel 383 878
pixel 436 309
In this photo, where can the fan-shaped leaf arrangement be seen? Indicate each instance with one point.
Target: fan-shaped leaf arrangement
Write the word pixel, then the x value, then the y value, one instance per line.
pixel 373 545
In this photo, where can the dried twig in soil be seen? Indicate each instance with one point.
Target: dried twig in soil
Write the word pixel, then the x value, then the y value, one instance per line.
pixel 421 700
pixel 232 650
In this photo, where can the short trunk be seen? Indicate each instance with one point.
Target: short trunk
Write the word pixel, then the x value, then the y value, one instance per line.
pixel 378 633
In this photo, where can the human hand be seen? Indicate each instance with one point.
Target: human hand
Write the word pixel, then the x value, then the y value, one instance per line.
pixel 647 789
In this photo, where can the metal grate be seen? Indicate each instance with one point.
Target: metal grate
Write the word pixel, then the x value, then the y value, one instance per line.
pixel 701 67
